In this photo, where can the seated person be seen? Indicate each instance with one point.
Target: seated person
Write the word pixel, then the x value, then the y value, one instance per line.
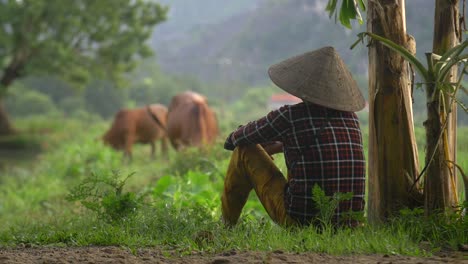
pixel 320 138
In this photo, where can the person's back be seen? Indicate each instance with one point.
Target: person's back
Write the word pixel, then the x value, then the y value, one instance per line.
pixel 320 138
pixel 324 147
pixel 321 146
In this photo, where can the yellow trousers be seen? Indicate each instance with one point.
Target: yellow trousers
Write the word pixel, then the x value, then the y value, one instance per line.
pixel 252 168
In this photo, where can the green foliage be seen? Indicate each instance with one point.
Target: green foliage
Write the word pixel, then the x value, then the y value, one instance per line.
pixel 75 39
pixel 71 105
pixel 191 159
pixel 327 205
pixel 104 195
pixel 252 105
pixel 100 97
pixel 445 229
pixel 181 211
pixel 54 87
pixel 189 230
pixel 78 160
pixel 438 68
pixel 194 190
pixel 349 10
pixel 20 141
pixel 103 98
pixel 22 102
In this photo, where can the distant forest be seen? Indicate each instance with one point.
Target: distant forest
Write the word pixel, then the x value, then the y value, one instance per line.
pixel 221 49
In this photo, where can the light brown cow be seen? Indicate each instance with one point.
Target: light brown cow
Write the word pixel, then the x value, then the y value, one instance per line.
pixel 190 121
pixel 141 125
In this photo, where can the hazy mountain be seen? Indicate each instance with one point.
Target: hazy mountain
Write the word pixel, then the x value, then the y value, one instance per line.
pixel 236 40
pixel 186 14
pixel 188 20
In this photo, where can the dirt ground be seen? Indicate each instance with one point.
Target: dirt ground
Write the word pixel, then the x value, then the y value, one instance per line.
pixel 90 255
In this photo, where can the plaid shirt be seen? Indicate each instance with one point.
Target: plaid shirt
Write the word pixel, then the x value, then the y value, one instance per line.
pixel 329 154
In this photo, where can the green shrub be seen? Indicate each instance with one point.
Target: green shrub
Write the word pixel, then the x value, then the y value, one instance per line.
pixel 71 104
pixel 327 205
pixel 22 102
pixel 194 188
pixel 104 195
pixel 448 229
pixel 195 159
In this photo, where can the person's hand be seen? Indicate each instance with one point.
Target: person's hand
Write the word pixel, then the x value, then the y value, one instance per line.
pixel 228 145
pixel 273 147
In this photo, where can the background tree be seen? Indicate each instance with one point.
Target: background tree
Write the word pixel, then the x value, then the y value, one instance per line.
pixel 393 157
pixel 74 40
pixel 442 83
pixel 440 183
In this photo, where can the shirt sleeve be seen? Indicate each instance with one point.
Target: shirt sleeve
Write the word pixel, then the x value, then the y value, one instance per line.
pixel 268 128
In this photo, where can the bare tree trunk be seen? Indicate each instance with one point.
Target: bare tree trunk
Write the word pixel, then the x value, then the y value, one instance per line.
pixel 393 156
pixel 440 188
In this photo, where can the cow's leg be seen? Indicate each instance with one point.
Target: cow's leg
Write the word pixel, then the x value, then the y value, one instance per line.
pixel 164 148
pixel 175 144
pixel 153 149
pixel 128 147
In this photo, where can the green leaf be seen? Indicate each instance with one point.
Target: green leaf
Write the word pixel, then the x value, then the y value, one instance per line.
pixel 362 5
pixel 446 68
pixel 331 7
pixel 162 185
pixel 346 14
pixel 349 10
pixel 449 55
pixel 454 51
pixel 446 87
pixel 360 39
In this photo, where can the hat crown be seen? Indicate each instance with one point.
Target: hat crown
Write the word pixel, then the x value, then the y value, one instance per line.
pixel 320 77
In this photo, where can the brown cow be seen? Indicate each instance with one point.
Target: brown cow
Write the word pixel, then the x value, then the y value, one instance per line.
pixel 190 121
pixel 141 125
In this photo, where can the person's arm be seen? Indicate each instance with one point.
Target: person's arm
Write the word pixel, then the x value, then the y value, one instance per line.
pixel 228 144
pixel 267 129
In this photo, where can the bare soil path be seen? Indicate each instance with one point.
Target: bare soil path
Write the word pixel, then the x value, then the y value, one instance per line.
pixel 90 255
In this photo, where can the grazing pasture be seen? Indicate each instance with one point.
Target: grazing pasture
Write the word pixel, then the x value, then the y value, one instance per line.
pixel 79 193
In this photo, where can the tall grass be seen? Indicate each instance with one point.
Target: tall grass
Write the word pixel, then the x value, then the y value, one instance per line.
pixel 181 205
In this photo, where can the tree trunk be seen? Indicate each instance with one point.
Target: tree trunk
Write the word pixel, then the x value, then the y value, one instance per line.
pixel 5 125
pixel 440 187
pixel 10 74
pixel 393 157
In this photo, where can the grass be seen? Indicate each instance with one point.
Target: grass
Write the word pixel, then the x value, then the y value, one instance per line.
pixel 192 230
pixel 180 205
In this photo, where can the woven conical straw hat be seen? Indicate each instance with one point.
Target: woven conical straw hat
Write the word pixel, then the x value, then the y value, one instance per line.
pixel 320 77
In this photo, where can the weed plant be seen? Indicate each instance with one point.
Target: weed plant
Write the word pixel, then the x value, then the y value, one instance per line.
pixel 173 203
pixel 104 195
